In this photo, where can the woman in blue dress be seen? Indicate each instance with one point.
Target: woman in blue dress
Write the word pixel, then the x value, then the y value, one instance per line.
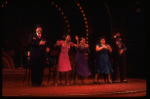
pixel 103 63
pixel 81 61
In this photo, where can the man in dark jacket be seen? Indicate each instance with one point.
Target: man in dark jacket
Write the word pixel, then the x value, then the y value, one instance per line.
pixel 118 55
pixel 40 48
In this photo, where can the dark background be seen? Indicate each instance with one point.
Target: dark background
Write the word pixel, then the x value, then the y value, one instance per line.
pixel 19 20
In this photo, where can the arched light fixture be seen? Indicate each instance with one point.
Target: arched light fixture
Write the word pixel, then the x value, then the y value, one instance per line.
pixel 86 25
pixel 63 15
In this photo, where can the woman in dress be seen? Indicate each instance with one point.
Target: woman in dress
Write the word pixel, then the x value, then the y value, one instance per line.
pixel 63 61
pixel 81 61
pixel 103 63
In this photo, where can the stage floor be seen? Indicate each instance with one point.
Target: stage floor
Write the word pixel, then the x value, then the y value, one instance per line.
pixel 12 86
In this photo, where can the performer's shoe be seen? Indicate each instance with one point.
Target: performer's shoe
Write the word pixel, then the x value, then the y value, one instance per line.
pixel 35 85
pixel 41 85
pixel 114 81
pixel 109 82
pixel 95 82
pixel 67 84
pixel 55 84
pixel 124 81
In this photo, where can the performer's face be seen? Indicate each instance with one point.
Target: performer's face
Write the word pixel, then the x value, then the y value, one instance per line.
pixel 102 41
pixel 82 41
pixel 118 39
pixel 68 38
pixel 39 30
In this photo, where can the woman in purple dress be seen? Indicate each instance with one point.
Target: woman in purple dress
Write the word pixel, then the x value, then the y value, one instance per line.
pixel 81 61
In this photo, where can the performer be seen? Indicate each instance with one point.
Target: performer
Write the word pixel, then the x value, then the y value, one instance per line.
pixel 38 53
pixel 103 63
pixel 63 61
pixel 81 61
pixel 118 58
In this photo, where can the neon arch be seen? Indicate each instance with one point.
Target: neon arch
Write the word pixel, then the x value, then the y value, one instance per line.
pixel 86 25
pixel 63 15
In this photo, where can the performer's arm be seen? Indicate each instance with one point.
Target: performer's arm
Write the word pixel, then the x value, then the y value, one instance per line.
pixel 57 44
pixel 33 42
pixel 109 48
pixel 99 48
pixel 124 48
pixel 76 45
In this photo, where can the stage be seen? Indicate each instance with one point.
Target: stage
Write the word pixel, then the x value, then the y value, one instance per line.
pixel 12 86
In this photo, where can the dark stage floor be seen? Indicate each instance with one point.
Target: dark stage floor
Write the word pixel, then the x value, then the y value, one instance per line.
pixel 12 86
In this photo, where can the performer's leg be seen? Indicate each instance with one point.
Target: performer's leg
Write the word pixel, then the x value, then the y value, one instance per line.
pixel 56 79
pixel 67 78
pixel 40 71
pixel 108 78
pixel 33 71
pixel 115 72
pixel 76 80
pixel 121 69
pixel 96 76
pixel 85 79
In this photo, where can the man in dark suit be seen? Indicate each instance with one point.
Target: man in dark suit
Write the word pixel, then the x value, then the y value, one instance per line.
pixel 40 48
pixel 118 55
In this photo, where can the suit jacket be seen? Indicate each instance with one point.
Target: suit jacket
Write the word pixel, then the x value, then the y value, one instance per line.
pixel 115 51
pixel 37 49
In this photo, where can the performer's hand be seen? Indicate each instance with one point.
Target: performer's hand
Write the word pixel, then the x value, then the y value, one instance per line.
pixel 42 42
pixel 118 34
pixel 121 51
pixel 86 45
pixel 57 42
pixel 105 47
pixel 108 46
pixel 47 49
pixel 77 38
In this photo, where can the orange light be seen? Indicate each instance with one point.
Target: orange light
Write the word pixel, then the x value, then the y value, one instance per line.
pixel 5 2
pixel 59 9
pixel 83 14
pixel 68 25
pixel 78 4
pixel 84 18
pixel 87 30
pixel 68 30
pixel 2 6
pixel 80 7
pixel 62 13
pixel 87 34
pixel 85 22
pixel 82 11
pixel 64 16
pixel 56 6
pixel 86 26
pixel 52 2
pixel 66 21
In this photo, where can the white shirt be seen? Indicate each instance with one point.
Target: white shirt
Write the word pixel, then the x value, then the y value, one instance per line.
pixel 38 33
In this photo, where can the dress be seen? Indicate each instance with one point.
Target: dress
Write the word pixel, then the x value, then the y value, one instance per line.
pixel 63 61
pixel 103 63
pixel 81 61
